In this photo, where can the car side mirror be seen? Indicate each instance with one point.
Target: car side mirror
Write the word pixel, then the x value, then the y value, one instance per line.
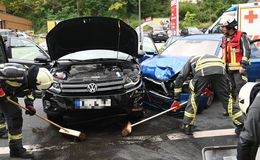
pixel 204 29
pixel 41 59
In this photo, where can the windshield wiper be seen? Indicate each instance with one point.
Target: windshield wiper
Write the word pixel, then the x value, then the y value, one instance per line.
pixel 71 60
pixel 20 46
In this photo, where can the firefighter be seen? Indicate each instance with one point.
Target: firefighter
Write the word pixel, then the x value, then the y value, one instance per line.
pixel 19 81
pixel 3 59
pixel 236 53
pixel 206 70
pixel 249 139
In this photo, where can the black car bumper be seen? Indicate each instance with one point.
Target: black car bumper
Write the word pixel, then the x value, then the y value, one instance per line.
pixel 121 103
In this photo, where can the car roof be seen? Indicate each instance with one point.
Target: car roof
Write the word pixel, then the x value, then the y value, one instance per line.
pixel 204 37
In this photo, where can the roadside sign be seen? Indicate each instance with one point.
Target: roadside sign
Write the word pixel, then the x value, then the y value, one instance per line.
pixel 148 19
pixel 174 27
pixel 51 24
pixel 249 21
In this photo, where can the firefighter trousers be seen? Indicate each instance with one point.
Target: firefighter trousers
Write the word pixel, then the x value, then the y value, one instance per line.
pixel 221 87
pixel 2 123
pixel 14 119
pixel 237 80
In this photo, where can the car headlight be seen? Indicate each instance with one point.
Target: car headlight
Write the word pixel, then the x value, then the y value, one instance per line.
pixel 55 87
pixel 132 80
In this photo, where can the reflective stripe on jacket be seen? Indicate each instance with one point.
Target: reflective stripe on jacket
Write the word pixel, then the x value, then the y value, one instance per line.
pixel 202 65
pixel 236 50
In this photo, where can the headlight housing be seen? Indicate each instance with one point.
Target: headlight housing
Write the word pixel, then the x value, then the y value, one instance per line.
pixel 55 87
pixel 132 79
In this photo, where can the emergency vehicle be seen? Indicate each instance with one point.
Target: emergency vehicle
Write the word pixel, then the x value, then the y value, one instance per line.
pixel 248 17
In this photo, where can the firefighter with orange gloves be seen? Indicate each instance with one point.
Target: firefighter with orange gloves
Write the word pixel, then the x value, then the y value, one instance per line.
pixel 17 80
pixel 236 53
pixel 206 70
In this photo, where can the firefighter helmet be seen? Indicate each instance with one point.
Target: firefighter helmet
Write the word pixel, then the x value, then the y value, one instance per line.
pixel 44 79
pixel 247 94
pixel 228 21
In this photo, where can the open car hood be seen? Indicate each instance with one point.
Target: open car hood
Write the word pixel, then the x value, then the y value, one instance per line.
pixel 88 33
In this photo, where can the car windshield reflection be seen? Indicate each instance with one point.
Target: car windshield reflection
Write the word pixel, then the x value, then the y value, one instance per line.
pixel 191 48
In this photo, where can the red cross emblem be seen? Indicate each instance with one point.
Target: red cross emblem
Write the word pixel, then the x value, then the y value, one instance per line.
pixel 251 16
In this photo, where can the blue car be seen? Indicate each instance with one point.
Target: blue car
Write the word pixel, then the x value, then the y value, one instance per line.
pixel 160 71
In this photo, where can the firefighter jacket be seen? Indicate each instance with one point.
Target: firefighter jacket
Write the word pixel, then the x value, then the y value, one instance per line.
pixel 198 66
pixel 236 50
pixel 3 56
pixel 14 82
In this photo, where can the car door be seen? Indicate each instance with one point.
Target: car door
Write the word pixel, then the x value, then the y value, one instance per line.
pixel 253 70
pixel 149 48
pixel 26 52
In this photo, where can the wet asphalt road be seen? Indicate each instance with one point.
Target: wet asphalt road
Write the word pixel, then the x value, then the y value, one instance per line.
pixel 148 141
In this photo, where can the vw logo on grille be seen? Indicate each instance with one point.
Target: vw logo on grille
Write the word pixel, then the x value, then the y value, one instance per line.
pixel 92 87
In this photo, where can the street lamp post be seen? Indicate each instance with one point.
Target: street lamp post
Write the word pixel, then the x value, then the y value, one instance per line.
pixel 140 29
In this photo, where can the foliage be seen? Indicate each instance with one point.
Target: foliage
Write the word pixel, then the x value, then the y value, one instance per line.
pixel 190 19
pixel 39 11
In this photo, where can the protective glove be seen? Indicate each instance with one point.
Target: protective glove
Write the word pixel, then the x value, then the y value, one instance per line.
pixel 31 110
pixel 2 94
pixel 176 105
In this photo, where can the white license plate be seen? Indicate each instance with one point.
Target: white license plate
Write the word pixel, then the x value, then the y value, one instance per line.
pixel 92 103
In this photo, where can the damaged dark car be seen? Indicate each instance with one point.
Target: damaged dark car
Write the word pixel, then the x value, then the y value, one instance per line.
pixel 96 74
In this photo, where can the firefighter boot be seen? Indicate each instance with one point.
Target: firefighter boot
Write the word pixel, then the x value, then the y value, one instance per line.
pixel 187 129
pixel 21 153
pixel 17 150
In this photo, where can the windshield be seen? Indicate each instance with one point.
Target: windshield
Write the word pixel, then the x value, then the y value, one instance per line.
pixel 191 48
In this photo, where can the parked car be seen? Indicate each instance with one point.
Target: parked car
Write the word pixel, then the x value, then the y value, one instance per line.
pixel 190 31
pixel 149 49
pixel 95 71
pixel 160 71
pixel 159 35
pixel 24 35
pixel 8 32
pixel 25 52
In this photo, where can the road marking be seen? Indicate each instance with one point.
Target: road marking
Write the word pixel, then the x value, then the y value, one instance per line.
pixel 203 134
pixel 143 138
pixel 38 148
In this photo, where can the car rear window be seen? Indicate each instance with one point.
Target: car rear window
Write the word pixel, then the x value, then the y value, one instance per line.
pixel 191 48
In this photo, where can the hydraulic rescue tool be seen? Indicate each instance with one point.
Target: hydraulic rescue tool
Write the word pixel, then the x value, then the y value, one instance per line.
pixel 71 132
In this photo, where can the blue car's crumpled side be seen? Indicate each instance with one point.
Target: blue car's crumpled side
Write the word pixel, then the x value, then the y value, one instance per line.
pixel 162 68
